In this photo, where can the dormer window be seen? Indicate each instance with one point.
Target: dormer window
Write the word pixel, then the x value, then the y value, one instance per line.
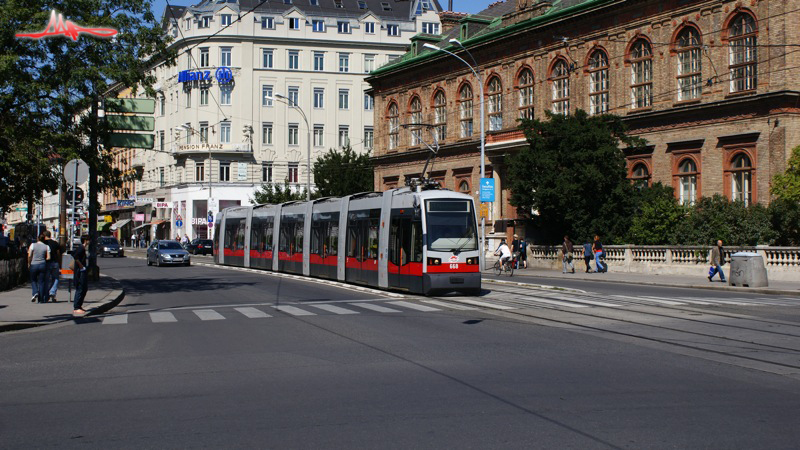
pixel 386 6
pixel 338 3
pixel 287 2
pixel 392 30
pixel 294 23
pixel 422 6
pixel 313 2
pixel 430 27
pixel 267 23
pixel 369 27
pixel 225 20
pixel 205 22
pixel 362 4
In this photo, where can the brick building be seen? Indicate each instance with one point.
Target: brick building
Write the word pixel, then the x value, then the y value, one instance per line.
pixel 711 85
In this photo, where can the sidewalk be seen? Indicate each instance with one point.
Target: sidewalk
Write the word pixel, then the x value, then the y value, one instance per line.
pixel 17 312
pixel 700 281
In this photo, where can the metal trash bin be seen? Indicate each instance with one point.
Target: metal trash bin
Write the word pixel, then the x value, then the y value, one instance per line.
pixel 748 270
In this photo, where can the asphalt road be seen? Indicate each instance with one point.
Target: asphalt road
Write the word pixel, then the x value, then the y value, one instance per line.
pixel 211 358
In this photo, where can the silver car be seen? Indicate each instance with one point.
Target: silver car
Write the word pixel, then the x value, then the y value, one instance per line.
pixel 167 252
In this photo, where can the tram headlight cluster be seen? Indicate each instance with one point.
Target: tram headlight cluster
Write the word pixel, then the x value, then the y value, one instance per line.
pixel 434 261
pixel 473 261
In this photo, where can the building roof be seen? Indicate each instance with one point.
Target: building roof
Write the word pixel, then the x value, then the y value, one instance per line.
pixel 489 22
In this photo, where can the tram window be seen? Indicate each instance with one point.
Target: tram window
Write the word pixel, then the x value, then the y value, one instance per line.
pixel 317 231
pixel 352 239
pixel 333 239
pixel 268 230
pixel 256 242
pixel 239 245
pixel 373 239
pixel 285 235
pixel 394 241
pixel 416 240
pixel 298 235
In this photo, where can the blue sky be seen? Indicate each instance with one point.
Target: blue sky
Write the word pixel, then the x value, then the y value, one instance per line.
pixel 467 6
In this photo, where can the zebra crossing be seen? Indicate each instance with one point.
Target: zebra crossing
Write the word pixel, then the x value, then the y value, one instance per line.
pixel 263 311
pixel 512 297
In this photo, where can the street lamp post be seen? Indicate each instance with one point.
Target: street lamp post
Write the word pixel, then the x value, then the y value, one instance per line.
pixel 294 105
pixel 477 74
pixel 189 129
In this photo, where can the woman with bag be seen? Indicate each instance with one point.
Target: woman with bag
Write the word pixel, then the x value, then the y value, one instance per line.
pixel 566 252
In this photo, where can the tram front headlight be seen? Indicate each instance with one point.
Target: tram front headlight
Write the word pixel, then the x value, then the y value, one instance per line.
pixel 434 261
pixel 473 261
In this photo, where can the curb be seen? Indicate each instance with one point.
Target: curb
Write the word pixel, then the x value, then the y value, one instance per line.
pixel 690 286
pixel 111 300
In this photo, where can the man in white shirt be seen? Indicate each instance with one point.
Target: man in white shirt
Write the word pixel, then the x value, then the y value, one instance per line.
pixel 504 252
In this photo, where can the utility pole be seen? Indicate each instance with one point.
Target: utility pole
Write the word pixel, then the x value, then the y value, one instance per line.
pixel 92 160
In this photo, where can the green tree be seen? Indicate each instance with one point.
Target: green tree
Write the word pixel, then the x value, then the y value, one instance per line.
pixel 573 174
pixel 337 174
pixel 273 193
pixel 716 217
pixel 658 216
pixel 785 217
pixel 48 84
pixel 787 185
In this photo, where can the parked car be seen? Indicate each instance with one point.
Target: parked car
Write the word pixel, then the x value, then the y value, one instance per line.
pixel 201 246
pixel 109 246
pixel 167 252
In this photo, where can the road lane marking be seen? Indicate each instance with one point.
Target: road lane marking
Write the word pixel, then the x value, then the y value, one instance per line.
pixel 334 309
pixel 377 308
pixel 162 316
pixel 208 314
pixel 252 313
pixel 484 304
pixel 648 299
pixel 414 306
pixel 567 304
pixel 294 311
pixel 449 305
pixel 116 319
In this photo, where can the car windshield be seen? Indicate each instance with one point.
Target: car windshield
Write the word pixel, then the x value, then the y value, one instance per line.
pixel 451 226
pixel 171 245
pixel 208 242
pixel 107 241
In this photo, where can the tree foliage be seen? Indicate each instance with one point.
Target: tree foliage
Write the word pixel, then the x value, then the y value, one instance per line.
pixel 274 193
pixel 47 85
pixel 716 217
pixel 573 175
pixel 787 185
pixel 657 218
pixel 340 173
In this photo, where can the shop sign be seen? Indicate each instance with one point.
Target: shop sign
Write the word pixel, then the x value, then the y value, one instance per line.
pixel 199 221
pixel 138 218
pixel 126 202
pixel 222 74
pixel 242 147
pixel 242 171
pixel 163 205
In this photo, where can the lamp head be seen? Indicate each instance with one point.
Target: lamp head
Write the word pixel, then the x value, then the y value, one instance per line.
pixel 430 46
pixel 455 41
pixel 185 126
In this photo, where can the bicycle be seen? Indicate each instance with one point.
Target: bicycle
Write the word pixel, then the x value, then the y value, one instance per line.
pixel 507 267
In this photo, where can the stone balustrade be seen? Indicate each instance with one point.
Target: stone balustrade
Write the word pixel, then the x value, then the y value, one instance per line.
pixel 782 263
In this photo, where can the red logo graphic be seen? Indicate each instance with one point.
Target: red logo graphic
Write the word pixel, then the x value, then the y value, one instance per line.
pixel 454 258
pixel 57 27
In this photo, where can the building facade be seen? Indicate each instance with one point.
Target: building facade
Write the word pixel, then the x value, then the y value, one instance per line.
pixel 711 85
pixel 224 125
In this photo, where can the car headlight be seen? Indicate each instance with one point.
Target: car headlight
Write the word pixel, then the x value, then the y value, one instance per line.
pixel 166 256
pixel 106 249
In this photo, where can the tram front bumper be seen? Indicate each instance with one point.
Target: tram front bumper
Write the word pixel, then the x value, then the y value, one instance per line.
pixel 439 283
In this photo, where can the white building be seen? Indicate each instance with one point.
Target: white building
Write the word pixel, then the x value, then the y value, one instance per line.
pixel 226 129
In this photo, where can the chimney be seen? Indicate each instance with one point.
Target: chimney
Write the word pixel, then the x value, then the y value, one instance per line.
pixel 450 20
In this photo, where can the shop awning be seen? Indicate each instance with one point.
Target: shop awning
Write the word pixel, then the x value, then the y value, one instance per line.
pixel 101 226
pixel 141 226
pixel 119 224
pixel 157 222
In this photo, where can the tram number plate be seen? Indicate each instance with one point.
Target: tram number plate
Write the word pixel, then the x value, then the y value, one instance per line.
pixel 454 266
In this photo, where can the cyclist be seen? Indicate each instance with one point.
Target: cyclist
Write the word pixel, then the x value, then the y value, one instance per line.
pixel 504 252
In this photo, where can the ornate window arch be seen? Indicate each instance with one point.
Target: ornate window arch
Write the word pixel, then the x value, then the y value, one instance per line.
pixel 415 110
pixel 743 54
pixel 465 109
pixel 598 82
pixel 559 78
pixel 640 174
pixel 739 164
pixel 688 47
pixel 641 60
pixel 463 186
pixel 393 114
pixel 495 97
pixel 440 114
pixel 525 92
pixel 687 175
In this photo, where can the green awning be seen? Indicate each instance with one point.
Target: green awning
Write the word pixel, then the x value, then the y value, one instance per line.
pixel 103 226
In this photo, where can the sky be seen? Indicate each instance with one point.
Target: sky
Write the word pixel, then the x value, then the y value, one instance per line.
pixel 467 6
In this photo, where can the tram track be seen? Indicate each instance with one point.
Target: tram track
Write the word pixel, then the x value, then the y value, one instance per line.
pixel 774 351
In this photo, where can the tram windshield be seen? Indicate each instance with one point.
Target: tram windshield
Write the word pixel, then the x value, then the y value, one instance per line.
pixel 451 226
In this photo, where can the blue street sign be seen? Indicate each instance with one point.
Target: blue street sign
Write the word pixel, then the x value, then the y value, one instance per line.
pixel 210 218
pixel 178 223
pixel 487 189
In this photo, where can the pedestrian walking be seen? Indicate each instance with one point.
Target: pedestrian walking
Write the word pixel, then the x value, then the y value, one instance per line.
pixel 38 255
pixel 53 266
pixel 516 244
pixel 133 240
pixel 566 255
pixel 81 277
pixel 185 239
pixel 587 256
pixel 523 253
pixel 717 261
pixel 599 253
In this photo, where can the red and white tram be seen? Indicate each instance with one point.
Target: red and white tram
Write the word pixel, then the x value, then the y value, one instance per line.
pixel 420 241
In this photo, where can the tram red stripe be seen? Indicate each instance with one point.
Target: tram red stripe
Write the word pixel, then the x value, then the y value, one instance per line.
pixel 260 255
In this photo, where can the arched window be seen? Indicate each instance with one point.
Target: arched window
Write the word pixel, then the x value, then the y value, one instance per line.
pixel 688 47
pixel 525 84
pixel 416 119
pixel 741 178
pixel 560 78
pixel 394 126
pixel 687 181
pixel 465 110
pixel 640 175
pixel 743 53
pixel 641 74
pixel 463 187
pixel 440 115
pixel 495 95
pixel 598 82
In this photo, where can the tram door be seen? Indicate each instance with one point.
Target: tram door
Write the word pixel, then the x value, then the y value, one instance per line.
pixel 362 247
pixel 405 253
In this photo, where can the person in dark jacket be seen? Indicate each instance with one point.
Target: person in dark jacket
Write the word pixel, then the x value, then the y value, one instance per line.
pixel 53 266
pixel 587 256
pixel 597 248
pixel 717 261
pixel 81 277
pixel 566 255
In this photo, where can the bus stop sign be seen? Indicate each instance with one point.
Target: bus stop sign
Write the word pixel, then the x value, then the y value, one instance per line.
pixel 487 189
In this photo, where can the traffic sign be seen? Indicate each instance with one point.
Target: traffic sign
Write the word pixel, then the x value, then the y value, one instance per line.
pixel 76 172
pixel 484 211
pixel 76 193
pixel 210 218
pixel 487 189
pixel 179 223
pixel 21 208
